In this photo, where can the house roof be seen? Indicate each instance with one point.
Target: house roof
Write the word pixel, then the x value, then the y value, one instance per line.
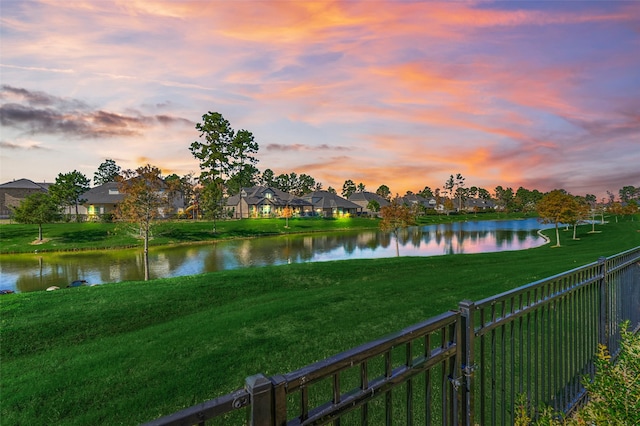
pixel 104 194
pixel 257 195
pixel 479 202
pixel 366 197
pixel 25 184
pixel 329 200
pixel 414 199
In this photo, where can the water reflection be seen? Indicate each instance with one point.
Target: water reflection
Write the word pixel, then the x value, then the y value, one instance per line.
pixel 37 272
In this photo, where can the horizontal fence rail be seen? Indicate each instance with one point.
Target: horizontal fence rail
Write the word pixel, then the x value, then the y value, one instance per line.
pixel 467 366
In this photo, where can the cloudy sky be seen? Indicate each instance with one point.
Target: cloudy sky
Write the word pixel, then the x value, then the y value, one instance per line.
pixel 542 94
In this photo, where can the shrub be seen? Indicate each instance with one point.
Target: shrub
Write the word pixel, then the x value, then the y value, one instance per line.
pixel 614 391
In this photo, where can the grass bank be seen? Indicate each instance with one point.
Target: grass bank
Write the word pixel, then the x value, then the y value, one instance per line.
pixel 129 352
pixel 18 238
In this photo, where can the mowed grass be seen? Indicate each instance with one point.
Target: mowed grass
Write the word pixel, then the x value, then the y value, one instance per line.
pixel 72 236
pixel 130 352
pixel 18 238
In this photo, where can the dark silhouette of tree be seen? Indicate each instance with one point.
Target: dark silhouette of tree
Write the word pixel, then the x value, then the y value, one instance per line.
pixel 107 172
pixel 383 191
pixel 348 188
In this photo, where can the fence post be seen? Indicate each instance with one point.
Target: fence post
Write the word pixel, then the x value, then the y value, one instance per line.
pixel 466 345
pixel 261 391
pixel 604 302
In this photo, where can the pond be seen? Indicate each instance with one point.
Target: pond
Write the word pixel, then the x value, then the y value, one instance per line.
pixel 33 272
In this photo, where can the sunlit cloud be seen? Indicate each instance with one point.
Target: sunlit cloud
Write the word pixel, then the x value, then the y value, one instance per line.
pixel 400 93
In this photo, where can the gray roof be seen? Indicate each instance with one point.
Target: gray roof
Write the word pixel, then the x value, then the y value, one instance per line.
pixel 25 184
pixel 103 194
pixel 329 200
pixel 257 195
pixel 366 197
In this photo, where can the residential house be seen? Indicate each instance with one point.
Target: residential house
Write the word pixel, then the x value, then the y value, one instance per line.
pixel 478 205
pixel 101 200
pixel 363 199
pixel 12 193
pixel 328 204
pixel 262 201
pixel 104 199
pixel 419 202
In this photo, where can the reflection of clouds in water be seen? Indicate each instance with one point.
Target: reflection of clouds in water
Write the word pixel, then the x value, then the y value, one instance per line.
pixel 23 273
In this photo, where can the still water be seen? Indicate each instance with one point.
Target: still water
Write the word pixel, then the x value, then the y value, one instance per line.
pixel 32 272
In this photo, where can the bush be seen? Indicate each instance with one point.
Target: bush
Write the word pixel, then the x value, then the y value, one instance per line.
pixel 614 391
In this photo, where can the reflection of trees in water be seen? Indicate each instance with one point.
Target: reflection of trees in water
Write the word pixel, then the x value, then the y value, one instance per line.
pixel 61 269
pixel 34 273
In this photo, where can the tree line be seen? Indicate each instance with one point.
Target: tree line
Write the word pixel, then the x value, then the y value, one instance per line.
pixel 227 164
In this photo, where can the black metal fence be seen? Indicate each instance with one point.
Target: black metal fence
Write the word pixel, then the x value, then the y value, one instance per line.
pixel 463 367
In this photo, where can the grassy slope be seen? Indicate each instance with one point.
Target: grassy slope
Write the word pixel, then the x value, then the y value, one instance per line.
pixel 17 238
pixel 127 353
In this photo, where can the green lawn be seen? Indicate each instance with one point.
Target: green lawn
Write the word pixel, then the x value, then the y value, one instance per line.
pixel 17 238
pixel 126 353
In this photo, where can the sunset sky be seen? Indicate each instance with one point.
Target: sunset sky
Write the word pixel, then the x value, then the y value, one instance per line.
pixel 542 94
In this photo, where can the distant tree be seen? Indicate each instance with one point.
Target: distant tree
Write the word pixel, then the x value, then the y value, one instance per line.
pixel 448 205
pixel 395 217
pixel 460 192
pixel 107 172
pixel 557 207
pixel 318 186
pixel 361 187
pixel 579 213
pixel 223 154
pixel 348 188
pixel 448 187
pixel 617 209
pixel 504 198
pixel 526 200
pixel 242 160
pixel 628 193
pixel 383 191
pixel 592 200
pixel 267 178
pixel 373 205
pixel 286 182
pixel 68 189
pixel 483 194
pixel 146 196
pixel 473 192
pixel 331 190
pixel 210 193
pixel 37 209
pixel 296 184
pixel 631 208
pixel 243 178
pixel 184 184
pixel 214 151
pixel 426 192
